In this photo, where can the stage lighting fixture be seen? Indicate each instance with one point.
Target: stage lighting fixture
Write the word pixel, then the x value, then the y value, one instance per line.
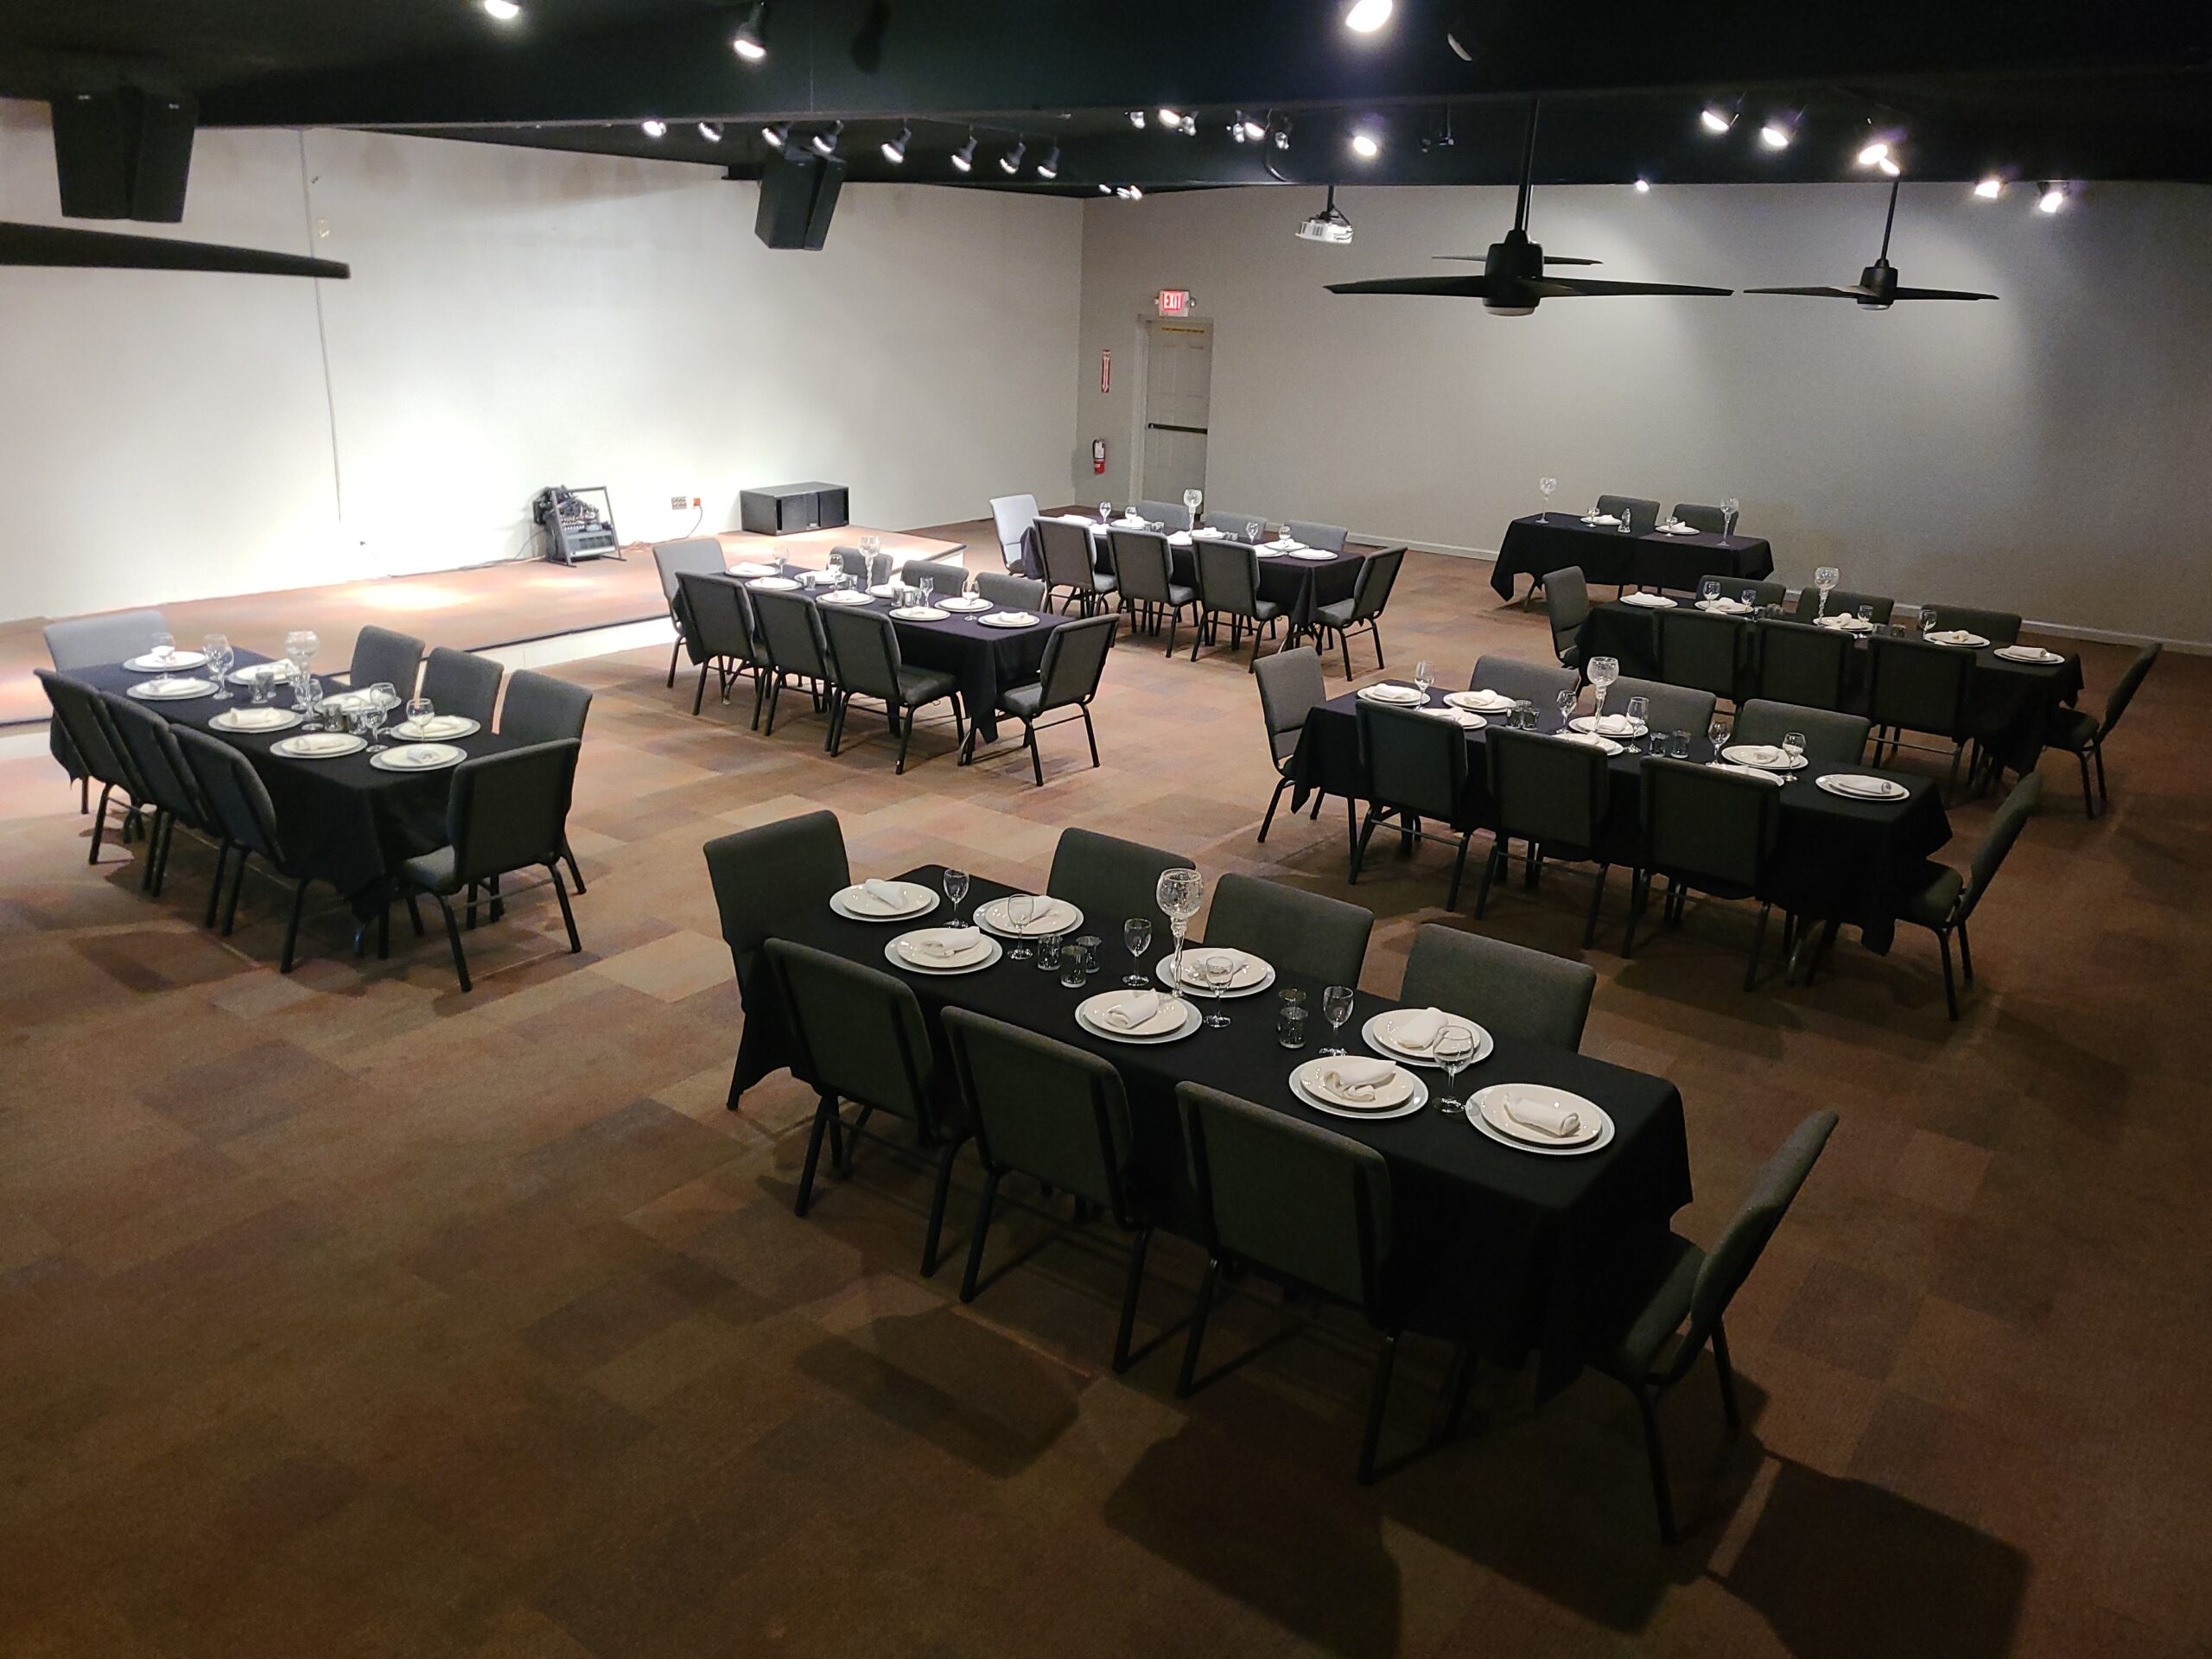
pixel 894 150
pixel 825 143
pixel 747 43
pixel 1717 118
pixel 1365 16
pixel 965 157
pixel 655 129
pixel 1010 164
pixel 1050 167
pixel 506 11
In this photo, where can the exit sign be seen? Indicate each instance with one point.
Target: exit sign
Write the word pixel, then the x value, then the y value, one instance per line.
pixel 1174 301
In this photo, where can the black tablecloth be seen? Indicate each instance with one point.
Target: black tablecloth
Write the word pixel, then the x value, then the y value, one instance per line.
pixel 1545 542
pixel 1835 860
pixel 344 821
pixel 1514 1250
pixel 1300 586
pixel 2009 704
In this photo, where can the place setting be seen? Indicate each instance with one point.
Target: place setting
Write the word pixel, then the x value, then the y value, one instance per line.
pixel 1861 786
pixel 2034 654
pixel 753 567
pixel 172 688
pixel 256 719
pixel 944 950
pixel 1396 693
pixel 416 757
pixel 1027 916
pixel 319 746
pixel 877 900
pixel 1535 1117
pixel 1145 1016
pixel 1958 639
pixel 1484 701
pixel 1008 620
pixel 163 657
pixel 1354 1087
pixel 1763 757
pixel 254 674
pixel 1426 1037
pixel 772 583
pixel 1647 600
pixel 1219 970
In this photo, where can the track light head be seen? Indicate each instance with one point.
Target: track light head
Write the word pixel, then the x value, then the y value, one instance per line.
pixel 1365 16
pixel 1644 186
pixel 748 42
pixel 1717 118
pixel 505 11
pixel 894 150
pixel 654 128
pixel 1365 143
pixel 2053 197
pixel 965 157
pixel 1137 119
pixel 1010 164
pixel 1049 167
pixel 711 132
pixel 1776 131
pixel 1990 188
pixel 824 144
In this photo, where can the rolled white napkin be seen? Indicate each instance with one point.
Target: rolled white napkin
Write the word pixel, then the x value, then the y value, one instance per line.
pixel 2028 654
pixel 1649 602
pixel 1135 1011
pixel 885 896
pixel 1494 701
pixel 1417 1032
pixel 1735 770
pixel 1617 726
pixel 1361 1081
pixel 1048 916
pixel 1950 636
pixel 940 945
pixel 1533 1112
pixel 1194 966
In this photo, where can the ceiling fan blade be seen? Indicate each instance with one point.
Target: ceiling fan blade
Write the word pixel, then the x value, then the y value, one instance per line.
pixel 1569 259
pixel 1464 287
pixel 1820 293
pixel 1594 288
pixel 66 246
pixel 1940 293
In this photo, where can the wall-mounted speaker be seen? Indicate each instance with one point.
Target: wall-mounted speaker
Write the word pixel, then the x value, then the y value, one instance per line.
pixel 798 192
pixel 123 154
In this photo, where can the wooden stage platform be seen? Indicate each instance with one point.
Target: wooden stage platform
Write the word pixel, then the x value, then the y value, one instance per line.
pixel 481 609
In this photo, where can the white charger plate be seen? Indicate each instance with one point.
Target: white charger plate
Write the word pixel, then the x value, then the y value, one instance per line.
pixel 1321 1103
pixel 991 917
pixel 1008 620
pixel 1834 784
pixel 175 661
pixel 167 690
pixel 1372 1033
pixel 1724 608
pixel 1479 1115
pixel 1090 1013
pixel 440 728
pixel 899 958
pixel 1312 555
pixel 1164 971
pixel 1478 702
pixel 917 613
pixel 1766 757
pixel 1411 699
pixel 846 596
pixel 1627 728
pixel 1604 746
pixel 254 671
pixel 1969 642
pixel 841 901
pixel 322 745
pixel 419 757
pixel 2035 654
pixel 775 584
pixel 752 568
pixel 1467 720
pixel 231 720
pixel 962 603
pixel 1846 625
pixel 1648 601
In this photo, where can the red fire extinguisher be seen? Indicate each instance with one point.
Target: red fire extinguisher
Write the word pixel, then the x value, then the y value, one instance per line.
pixel 1098 455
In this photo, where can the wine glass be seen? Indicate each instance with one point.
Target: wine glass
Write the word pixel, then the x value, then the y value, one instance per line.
pixel 1221 972
pixel 1793 746
pixel 956 888
pixel 309 693
pixel 162 647
pixel 1105 512
pixel 1136 939
pixel 1178 893
pixel 1866 615
pixel 1825 578
pixel 1709 589
pixel 1717 735
pixel 1729 509
pixel 371 718
pixel 420 712
pixel 1190 499
pixel 1336 1009
pixel 1639 717
pixel 1548 486
pixel 219 662
pixel 299 646
pixel 1423 678
pixel 1021 910
pixel 1455 1047
pixel 1568 696
pixel 1603 671
pixel 929 592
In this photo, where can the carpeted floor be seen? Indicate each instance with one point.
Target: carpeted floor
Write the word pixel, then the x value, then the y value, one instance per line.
pixel 343 1313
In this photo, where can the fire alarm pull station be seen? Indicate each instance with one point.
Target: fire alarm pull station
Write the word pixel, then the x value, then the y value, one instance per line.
pixel 1098 454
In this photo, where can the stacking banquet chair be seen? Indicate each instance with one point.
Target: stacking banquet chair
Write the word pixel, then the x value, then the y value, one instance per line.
pixel 1712 520
pixel 504 812
pixel 719 629
pixel 461 682
pixel 1378 574
pixel 540 709
pixel 1525 682
pixel 1643 516
pixel 1669 708
pixel 1069 570
pixel 1331 537
pixel 246 819
pixel 858 1035
pixel 1912 686
pixel 93 642
pixel 1700 649
pixel 1762 593
pixel 1530 995
pixel 699 554
pixel 96 749
pixel 864 645
pixel 1567 603
pixel 1299 1204
pixel 851 561
pixel 1800 663
pixel 1308 935
pixel 1173 514
pixel 1041 1109
pixel 1710 831
pixel 946 576
pixel 1291 688
pixel 1229 586
pixel 1111 880
pixel 1831 739
pixel 1145 575
pixel 1946 897
pixel 1237 527
pixel 1840 603
pixel 1014 515
pixel 1552 794
pixel 789 628
pixel 1067 677
pixel 1999 627
pixel 2081 735
pixel 152 746
pixel 762 877
pixel 381 656
pixel 1656 1338
pixel 1416 767
pixel 1010 592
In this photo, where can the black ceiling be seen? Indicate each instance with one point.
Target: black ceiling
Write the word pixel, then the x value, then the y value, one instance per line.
pixel 2035 89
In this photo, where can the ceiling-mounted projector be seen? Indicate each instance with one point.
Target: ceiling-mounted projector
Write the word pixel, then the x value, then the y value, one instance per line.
pixel 1328 224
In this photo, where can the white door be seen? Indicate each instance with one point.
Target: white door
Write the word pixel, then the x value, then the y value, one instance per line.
pixel 1177 387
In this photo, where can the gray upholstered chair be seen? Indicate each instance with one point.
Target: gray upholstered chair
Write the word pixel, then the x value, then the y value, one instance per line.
pixel 1173 514
pixel 1071 571
pixel 1013 515
pixel 1800 663
pixel 1043 1109
pixel 1332 536
pixel 1237 527
pixel 93 642
pixel 504 812
pixel 1009 592
pixel 540 709
pixel 1552 794
pixel 1529 996
pixel 461 682
pixel 1671 708
pixel 719 628
pixel 1712 520
pixel 1146 575
pixel 1111 880
pixel 864 646
pixel 946 576
pixel 381 656
pixel 1707 830
pixel 1654 1342
pixel 858 1035
pixel 1416 767
pixel 851 561
pixel 1700 649
pixel 1999 627
pixel 1731 587
pixel 788 627
pixel 1643 516
pixel 1912 686
pixel 1229 586
pixel 2082 734
pixel 1840 603
pixel 762 877
pixel 1371 594
pixel 238 802
pixel 696 554
pixel 1296 1201
pixel 160 766
pixel 97 748
pixel 1526 682
pixel 1291 688
pixel 1305 935
pixel 1831 739
pixel 1567 603
pixel 1944 897
pixel 1067 677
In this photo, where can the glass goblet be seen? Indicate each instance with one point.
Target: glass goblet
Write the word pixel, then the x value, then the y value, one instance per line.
pixel 956 889
pixel 1336 1009
pixel 1455 1047
pixel 1603 671
pixel 1136 939
pixel 218 648
pixel 1021 910
pixel 1221 972
pixel 1639 717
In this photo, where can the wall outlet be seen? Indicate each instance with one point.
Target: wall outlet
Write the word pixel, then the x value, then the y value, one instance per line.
pixel 677 503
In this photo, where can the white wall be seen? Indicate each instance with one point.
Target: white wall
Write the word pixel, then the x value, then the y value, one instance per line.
pixel 2045 452
pixel 516 318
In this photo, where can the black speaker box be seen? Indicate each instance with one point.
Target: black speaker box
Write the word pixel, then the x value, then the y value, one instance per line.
pixel 123 154
pixel 798 193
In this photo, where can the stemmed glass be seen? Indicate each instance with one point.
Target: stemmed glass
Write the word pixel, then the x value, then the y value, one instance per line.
pixel 1568 696
pixel 300 647
pixel 162 647
pixel 1825 579
pixel 1639 715
pixel 1717 735
pixel 420 713
pixel 1793 746
pixel 1709 589
pixel 219 663
pixel 308 694
pixel 1926 620
pixel 1549 487
pixel 1136 939
pixel 1336 1009
pixel 1455 1047
pixel 1178 894
pixel 381 700
pixel 1603 671
pixel 956 888
pixel 1423 678
pixel 1729 509
pixel 1020 910
pixel 1105 512
pixel 1190 500
pixel 1221 972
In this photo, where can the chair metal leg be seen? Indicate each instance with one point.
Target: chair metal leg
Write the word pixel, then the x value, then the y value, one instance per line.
pixel 1491 867
pixel 384 923
pixel 675 652
pixel 1950 990
pixel 2088 797
pixel 2104 795
pixel 99 816
pixel 414 912
pixel 1662 1494
pixel 152 861
pixel 1130 1292
pixel 1758 943
pixel 937 1208
pixel 1597 898
pixel 700 696
pixel 215 887
pixel 1966 953
pixel 1377 1397
pixel 1458 1382
pixel 292 927
pixel 1639 890
pixel 575 875
pixel 568 916
pixel 452 939
pixel 1187 1376
pixel 1275 800
pixel 775 693
pixel 824 1109
pixel 237 882
pixel 1458 869
pixel 1036 758
pixel 905 736
pixel 1359 844
pixel 1726 1374
pixel 983 1227
pixel 1090 732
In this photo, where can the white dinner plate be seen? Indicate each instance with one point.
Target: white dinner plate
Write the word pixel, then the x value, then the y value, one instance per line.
pixel 1602 520
pixel 1466 719
pixel 438 728
pixel 2029 654
pixel 1857 787
pixel 1007 620
pixel 419 757
pixel 1312 555
pixel 990 952
pixel 847 596
pixel 1730 769
pixel 852 902
pixel 350 702
pixel 752 568
pixel 1091 1014
pixel 171 688
pixel 1767 757
pixel 258 722
pixel 963 603
pixel 1402 697
pixel 1485 1113
pixel 1061 917
pixel 1724 608
pixel 1591 740
pixel 1376 1034
pixel 1615 726
pixel 1482 703
pixel 918 613
pixel 1677 530
pixel 775 584
pixel 1321 1103
pixel 1846 624
pixel 1253 974
pixel 1958 638
pixel 176 662
pixel 319 746
pixel 254 672
pixel 1648 601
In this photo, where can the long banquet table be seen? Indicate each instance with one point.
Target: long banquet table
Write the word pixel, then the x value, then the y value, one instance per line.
pixel 1544 542
pixel 1300 586
pixel 1516 1251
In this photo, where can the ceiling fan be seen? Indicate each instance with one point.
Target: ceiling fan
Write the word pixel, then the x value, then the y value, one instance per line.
pixel 1877 288
pixel 1513 279
pixel 67 246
